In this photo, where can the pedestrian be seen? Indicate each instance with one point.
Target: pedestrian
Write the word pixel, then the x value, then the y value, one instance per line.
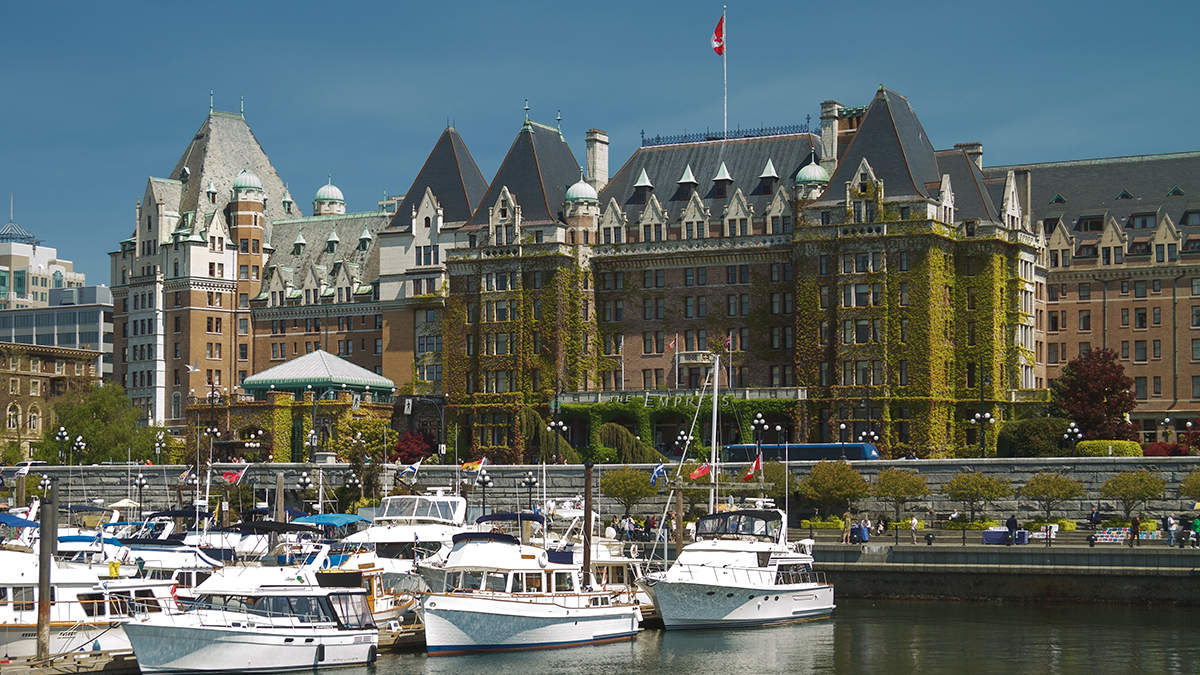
pixel 1011 524
pixel 846 527
pixel 912 526
pixel 1172 528
pixel 953 516
pixel 1195 532
pixel 1094 518
pixel 1135 527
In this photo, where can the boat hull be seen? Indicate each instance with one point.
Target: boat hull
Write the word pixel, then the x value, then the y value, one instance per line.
pixel 20 640
pixel 458 624
pixel 166 648
pixel 685 605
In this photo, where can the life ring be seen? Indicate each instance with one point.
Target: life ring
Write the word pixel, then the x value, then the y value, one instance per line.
pixel 543 559
pixel 633 550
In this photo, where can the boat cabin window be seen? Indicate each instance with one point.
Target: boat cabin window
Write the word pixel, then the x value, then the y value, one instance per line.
pixel 739 524
pixel 22 598
pixel 612 574
pixel 351 610
pixel 527 582
pixel 201 577
pixel 279 606
pixel 494 581
pixel 92 603
pixel 118 604
pixel 395 550
pixel 562 582
pixel 793 574
pixel 764 558
pixel 146 601
pixel 469 580
pixel 416 507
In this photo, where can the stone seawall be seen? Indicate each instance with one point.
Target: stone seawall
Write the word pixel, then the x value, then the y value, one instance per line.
pixel 111 483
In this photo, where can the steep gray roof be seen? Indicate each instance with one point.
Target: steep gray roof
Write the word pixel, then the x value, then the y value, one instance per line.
pixel 972 201
pixel 744 158
pixel 364 265
pixel 895 145
pixel 537 171
pixel 221 149
pixel 1092 187
pixel 450 172
pixel 320 369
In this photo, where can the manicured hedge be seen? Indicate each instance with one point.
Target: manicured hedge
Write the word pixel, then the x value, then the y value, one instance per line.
pixel 1100 448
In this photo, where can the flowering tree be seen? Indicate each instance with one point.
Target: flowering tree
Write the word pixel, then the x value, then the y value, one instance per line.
pixel 1095 392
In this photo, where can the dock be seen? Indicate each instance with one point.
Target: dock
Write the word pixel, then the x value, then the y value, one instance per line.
pixel 108 662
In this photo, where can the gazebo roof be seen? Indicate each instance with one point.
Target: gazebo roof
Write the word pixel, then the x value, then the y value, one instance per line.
pixel 321 370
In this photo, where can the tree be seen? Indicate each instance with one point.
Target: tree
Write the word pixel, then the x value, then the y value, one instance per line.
pixel 898 486
pixel 1094 391
pixel 773 473
pixel 1035 437
pixel 1189 487
pixel 627 485
pixel 109 424
pixel 832 484
pixel 1051 489
pixel 975 490
pixel 630 449
pixel 412 446
pixel 1131 488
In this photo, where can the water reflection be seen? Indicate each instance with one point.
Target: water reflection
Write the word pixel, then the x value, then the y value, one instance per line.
pixel 893 637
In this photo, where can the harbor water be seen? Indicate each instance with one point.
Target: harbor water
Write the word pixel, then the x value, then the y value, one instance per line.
pixel 872 636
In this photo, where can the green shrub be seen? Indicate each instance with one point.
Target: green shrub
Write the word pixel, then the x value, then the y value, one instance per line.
pixel 1148 524
pixel 1037 437
pixel 1063 524
pixel 1100 448
pixel 831 524
pixel 971 525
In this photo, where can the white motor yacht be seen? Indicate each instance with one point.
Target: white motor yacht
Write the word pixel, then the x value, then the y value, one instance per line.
pixel 86 612
pixel 502 595
pixel 406 529
pixel 741 571
pixel 258 619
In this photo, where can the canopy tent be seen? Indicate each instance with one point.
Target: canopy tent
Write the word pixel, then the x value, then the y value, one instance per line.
pixel 330 519
pixel 125 504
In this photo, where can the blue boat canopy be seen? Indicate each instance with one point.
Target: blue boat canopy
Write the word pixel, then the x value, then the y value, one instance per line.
pixel 333 519
pixel 13 521
pixel 510 517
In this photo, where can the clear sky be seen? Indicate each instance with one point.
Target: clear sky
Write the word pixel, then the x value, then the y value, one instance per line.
pixel 99 96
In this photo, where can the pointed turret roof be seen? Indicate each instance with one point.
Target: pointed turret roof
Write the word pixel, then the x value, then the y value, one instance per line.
pixel 11 232
pixel 722 174
pixel 688 177
pixel 451 174
pixel 894 143
pixel 538 170
pixel 769 170
pixel 643 180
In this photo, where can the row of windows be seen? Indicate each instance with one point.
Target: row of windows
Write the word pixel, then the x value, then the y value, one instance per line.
pixel 863 262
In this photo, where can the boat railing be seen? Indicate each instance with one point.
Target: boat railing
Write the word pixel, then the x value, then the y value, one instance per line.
pixel 754 576
pixel 565 600
pixel 208 614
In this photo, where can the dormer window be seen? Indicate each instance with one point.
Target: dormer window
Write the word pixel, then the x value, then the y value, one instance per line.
pixel 1191 218
pixel 297 249
pixel 363 244
pixel 330 246
pixel 1142 222
pixel 639 195
pixel 862 182
pixel 1091 225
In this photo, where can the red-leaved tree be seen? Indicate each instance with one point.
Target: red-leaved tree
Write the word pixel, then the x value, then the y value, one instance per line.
pixel 413 445
pixel 1095 392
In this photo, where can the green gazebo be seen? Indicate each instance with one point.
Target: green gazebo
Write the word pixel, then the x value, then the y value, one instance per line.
pixel 318 372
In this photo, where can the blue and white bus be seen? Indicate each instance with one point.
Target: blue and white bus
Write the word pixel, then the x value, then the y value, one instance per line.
pixel 800 452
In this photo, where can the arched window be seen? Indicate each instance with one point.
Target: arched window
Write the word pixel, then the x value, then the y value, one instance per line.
pixel 426 221
pixel 35 419
pixel 14 417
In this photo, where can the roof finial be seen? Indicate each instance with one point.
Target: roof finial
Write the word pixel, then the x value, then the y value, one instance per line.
pixel 330 179
pixel 210 101
pixel 243 105
pixel 10 207
pixel 559 120
pixel 526 110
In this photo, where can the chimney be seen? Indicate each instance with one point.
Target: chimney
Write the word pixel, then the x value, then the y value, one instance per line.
pixel 829 135
pixel 974 152
pixel 597 159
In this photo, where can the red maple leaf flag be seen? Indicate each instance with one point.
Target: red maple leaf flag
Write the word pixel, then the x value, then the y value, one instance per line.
pixel 756 466
pixel 718 38
pixel 672 345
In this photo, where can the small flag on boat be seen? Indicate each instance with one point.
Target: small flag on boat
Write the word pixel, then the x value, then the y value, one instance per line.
pixel 183 476
pixel 701 472
pixel 756 466
pixel 659 470
pixel 412 469
pixel 234 477
pixel 473 467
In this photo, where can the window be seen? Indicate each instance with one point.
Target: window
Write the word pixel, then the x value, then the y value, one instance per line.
pixel 903 373
pixel 1139 386
pixel 1157 347
pixel 1085 319
pixel 1139 289
pixel 1139 317
pixel 1139 350
pixel 1125 349
pixel 1124 316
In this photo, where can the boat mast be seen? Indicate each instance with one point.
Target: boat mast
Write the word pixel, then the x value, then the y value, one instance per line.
pixel 712 453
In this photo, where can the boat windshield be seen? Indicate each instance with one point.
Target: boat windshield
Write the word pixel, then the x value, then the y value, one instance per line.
pixel 306 609
pixel 351 610
pixel 409 507
pixel 759 524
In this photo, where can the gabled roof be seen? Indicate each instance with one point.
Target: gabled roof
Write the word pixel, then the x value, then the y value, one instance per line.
pixel 222 148
pixel 972 199
pixel 537 171
pixel 1091 186
pixel 744 159
pixel 894 143
pixel 320 369
pixel 343 229
pixel 450 172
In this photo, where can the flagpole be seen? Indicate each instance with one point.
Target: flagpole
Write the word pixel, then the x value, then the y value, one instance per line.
pixel 725 67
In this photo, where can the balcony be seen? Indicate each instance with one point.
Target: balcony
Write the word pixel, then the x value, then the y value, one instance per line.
pixel 665 397
pixel 705 245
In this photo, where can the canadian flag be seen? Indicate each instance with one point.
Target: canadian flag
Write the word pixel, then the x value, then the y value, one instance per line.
pixel 672 345
pixel 756 466
pixel 718 38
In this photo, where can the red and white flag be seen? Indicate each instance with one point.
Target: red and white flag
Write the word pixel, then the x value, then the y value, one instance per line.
pixel 701 472
pixel 234 477
pixel 672 345
pixel 756 466
pixel 718 38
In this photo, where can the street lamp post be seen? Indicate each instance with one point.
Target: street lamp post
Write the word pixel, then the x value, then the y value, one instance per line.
pixel 1189 437
pixel 982 420
pixel 79 447
pixel 868 437
pixel 1073 434
pixel 557 427
pixel 355 482
pixel 682 440
pixel 484 481
pixel 842 439
pixel 758 425
pixel 529 482
pixel 62 437
pixel 159 444
pixel 254 442
pixel 1166 433
pixel 140 482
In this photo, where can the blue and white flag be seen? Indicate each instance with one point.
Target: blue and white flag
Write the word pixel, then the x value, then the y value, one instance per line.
pixel 412 469
pixel 659 470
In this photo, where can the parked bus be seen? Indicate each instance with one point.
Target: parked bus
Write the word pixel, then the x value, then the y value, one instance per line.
pixel 800 452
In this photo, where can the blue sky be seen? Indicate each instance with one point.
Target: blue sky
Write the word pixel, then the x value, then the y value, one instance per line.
pixel 99 96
